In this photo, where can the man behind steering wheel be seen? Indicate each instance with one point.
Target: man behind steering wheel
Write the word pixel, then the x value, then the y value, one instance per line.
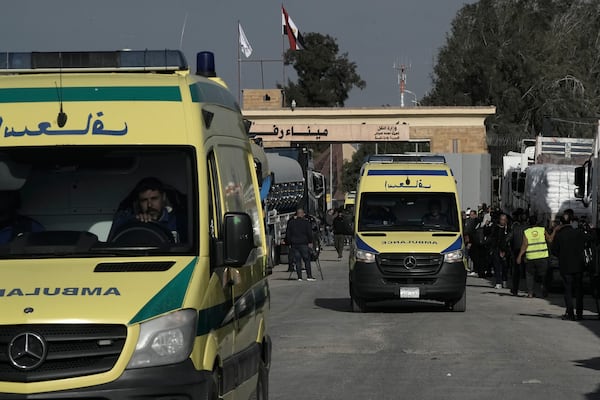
pixel 150 205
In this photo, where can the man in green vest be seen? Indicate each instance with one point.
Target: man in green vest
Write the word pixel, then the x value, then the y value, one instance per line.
pixel 535 250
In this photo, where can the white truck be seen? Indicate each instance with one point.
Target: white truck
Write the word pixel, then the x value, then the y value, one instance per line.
pixel 541 179
pixel 587 182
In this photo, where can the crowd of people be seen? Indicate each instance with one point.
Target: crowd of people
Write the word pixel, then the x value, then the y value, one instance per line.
pixel 505 249
pixel 508 248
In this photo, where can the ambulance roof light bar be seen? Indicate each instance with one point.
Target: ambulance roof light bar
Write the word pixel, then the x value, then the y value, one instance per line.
pixel 93 61
pixel 406 158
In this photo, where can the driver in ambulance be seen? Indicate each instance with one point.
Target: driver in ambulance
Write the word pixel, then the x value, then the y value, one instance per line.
pixel 150 205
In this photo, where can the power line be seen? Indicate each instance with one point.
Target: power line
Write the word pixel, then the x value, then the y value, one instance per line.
pixel 576 122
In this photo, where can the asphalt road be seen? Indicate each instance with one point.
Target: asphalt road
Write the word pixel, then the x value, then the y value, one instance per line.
pixel 503 347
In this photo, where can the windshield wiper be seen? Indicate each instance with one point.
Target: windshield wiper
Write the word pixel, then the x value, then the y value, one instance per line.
pixel 128 251
pixel 443 228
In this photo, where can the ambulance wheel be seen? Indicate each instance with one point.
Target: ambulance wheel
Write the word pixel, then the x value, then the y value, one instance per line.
pixel 358 304
pixel 262 384
pixel 276 254
pixel 461 304
pixel 213 386
pixel 273 253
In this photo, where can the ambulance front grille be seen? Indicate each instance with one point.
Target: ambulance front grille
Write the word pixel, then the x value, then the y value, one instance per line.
pixel 71 350
pixel 408 263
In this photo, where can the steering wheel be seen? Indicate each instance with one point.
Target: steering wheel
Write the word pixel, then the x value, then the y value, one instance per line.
pixel 138 233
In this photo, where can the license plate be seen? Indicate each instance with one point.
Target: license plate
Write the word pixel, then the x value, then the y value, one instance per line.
pixel 409 293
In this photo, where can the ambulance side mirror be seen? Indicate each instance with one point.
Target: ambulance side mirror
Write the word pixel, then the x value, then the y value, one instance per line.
pixel 238 239
pixel 579 182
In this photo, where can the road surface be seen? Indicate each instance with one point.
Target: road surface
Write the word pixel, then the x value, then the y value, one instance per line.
pixel 503 347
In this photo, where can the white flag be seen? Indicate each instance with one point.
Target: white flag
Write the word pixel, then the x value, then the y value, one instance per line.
pixel 244 43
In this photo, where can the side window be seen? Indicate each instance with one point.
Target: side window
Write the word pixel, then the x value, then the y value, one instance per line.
pixel 214 199
pixel 235 169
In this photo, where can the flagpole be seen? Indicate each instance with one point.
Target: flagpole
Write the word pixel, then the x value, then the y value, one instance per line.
pixel 239 65
pixel 282 49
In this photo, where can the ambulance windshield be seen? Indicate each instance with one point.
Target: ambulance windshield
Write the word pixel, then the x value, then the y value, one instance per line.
pixel 408 212
pixel 97 200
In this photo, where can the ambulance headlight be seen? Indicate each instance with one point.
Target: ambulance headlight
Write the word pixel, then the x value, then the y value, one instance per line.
pixel 365 256
pixel 453 256
pixel 165 340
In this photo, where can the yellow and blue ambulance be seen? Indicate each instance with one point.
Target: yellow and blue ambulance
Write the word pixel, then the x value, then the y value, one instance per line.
pixel 408 241
pixel 140 309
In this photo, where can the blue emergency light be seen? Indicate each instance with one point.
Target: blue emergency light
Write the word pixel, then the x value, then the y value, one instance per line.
pixel 205 64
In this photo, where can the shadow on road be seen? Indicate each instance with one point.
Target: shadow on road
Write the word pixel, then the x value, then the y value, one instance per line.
pixel 592 363
pixel 396 306
pixel 502 294
pixel 540 315
pixel 340 305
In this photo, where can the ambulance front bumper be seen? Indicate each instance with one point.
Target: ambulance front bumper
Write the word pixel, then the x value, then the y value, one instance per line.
pixel 173 382
pixel 369 283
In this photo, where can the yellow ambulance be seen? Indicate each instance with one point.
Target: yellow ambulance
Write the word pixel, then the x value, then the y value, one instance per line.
pixel 408 241
pixel 132 249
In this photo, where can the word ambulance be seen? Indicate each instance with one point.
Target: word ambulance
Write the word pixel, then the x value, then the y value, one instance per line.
pixel 71 291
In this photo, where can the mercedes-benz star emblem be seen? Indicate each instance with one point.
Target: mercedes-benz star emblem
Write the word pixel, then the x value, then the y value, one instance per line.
pixel 27 351
pixel 410 262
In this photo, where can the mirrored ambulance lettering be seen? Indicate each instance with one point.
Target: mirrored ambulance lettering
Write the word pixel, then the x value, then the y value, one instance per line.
pixel 69 291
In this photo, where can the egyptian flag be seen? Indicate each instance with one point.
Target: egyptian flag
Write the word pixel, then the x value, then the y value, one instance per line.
pixel 291 30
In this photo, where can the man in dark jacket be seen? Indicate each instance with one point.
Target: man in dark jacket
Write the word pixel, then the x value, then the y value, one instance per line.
pixel 569 246
pixel 500 250
pixel 471 244
pixel 516 241
pixel 339 232
pixel 299 237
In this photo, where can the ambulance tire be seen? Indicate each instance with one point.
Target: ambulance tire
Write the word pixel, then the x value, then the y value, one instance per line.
pixel 461 304
pixel 262 384
pixel 273 252
pixel 214 385
pixel 358 304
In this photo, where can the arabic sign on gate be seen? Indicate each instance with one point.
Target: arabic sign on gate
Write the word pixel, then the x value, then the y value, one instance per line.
pixel 366 132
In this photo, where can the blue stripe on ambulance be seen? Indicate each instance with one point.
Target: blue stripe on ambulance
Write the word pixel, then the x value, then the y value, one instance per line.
pixel 457 245
pixel 361 245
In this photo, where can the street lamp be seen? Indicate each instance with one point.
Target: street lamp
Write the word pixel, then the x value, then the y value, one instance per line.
pixel 415 101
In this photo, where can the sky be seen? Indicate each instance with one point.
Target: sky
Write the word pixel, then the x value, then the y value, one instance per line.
pixel 376 34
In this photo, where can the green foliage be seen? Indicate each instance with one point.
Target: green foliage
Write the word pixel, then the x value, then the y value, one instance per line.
pixel 532 59
pixel 324 77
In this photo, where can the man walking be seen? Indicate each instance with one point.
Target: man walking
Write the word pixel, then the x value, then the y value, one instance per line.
pixel 535 250
pixel 500 251
pixel 569 247
pixel 299 236
pixel 471 242
pixel 517 236
pixel 339 233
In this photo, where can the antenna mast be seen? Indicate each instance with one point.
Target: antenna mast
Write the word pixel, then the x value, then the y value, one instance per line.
pixel 401 80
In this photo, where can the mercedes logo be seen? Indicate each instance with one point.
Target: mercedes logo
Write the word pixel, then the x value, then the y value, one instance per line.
pixel 27 351
pixel 410 262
